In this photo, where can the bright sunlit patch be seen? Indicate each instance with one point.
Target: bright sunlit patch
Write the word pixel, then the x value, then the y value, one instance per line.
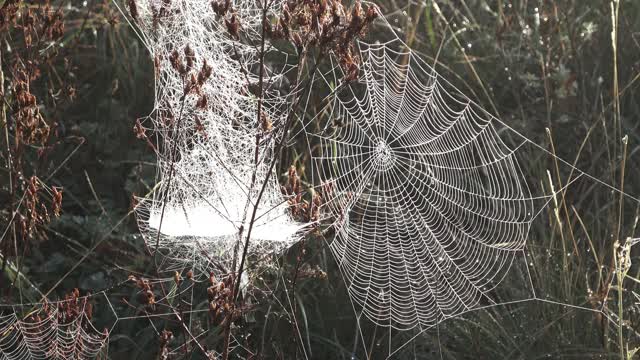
pixel 203 221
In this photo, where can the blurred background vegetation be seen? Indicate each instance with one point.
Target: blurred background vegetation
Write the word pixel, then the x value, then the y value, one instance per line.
pixel 545 67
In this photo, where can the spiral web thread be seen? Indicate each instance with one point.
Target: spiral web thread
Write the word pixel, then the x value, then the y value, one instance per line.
pixel 199 212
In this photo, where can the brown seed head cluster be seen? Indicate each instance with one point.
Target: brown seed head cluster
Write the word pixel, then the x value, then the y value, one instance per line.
pixel 44 24
pixel 158 13
pixel 36 213
pixel 327 25
pixel 220 295
pixel 141 133
pixel 301 209
pixel 31 31
pixel 184 65
pixel 224 9
pixel 165 338
pixel 266 125
pixel 8 14
pixel 312 272
pixel 133 9
pixel 221 7
pixel 73 307
pixel 146 295
pixel 30 125
pixel 56 201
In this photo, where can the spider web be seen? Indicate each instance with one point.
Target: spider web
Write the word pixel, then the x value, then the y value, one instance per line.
pixel 428 196
pixel 50 331
pixel 431 203
pixel 53 330
pixel 208 168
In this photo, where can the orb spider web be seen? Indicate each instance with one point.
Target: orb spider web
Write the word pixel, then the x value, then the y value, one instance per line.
pixel 430 204
pixel 428 195
pixel 51 331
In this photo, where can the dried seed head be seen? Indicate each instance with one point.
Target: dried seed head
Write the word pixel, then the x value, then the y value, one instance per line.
pixel 372 14
pixel 205 73
pixel 233 26
pixel 283 26
pixel 139 130
pixel 176 63
pixel 190 57
pixel 165 337
pixel 71 92
pixel 133 9
pixel 265 123
pixel 201 104
pixel 190 85
pixel 56 201
pixel 356 14
pixel 150 297
pixel 8 13
pixel 352 70
pixel 221 7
